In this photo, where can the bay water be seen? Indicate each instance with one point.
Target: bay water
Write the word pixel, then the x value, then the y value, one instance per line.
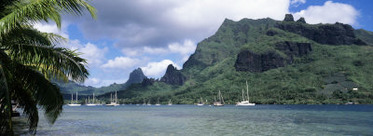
pixel 176 120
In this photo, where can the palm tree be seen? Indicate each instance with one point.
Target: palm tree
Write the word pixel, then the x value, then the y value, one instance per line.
pixel 29 59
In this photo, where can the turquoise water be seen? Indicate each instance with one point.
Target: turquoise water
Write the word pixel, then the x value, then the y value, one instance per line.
pixel 228 120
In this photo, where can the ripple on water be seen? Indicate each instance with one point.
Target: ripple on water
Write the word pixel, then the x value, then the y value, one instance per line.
pixel 228 120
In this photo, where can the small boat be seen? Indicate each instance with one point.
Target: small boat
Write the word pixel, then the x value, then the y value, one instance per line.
pixel 93 101
pixel 72 100
pixel 169 102
pixel 221 100
pixel 245 102
pixel 115 102
pixel 200 103
pixel 157 104
pixel 149 104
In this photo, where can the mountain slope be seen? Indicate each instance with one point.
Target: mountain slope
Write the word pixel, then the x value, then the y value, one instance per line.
pixel 283 61
pixel 136 76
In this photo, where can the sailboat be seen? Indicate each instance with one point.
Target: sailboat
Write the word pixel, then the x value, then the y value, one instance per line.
pixel 157 104
pixel 169 102
pixel 115 102
pixel 93 101
pixel 72 100
pixel 221 100
pixel 245 102
pixel 149 104
pixel 200 103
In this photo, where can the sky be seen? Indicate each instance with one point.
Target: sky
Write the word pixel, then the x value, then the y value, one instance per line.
pixel 151 34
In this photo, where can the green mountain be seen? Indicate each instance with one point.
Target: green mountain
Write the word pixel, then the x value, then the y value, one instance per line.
pixel 284 62
pixel 136 76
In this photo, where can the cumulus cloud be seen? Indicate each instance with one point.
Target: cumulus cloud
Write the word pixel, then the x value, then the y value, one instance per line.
pixel 94 55
pixel 92 81
pixel 121 63
pixel 330 12
pixel 296 3
pixel 185 48
pixel 155 24
pixel 95 82
pixel 157 69
pixel 52 28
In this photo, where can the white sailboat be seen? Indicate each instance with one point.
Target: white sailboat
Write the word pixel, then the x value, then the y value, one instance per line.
pixel 221 100
pixel 245 102
pixel 200 103
pixel 169 102
pixel 144 102
pixel 93 101
pixel 72 100
pixel 115 102
pixel 158 104
pixel 149 104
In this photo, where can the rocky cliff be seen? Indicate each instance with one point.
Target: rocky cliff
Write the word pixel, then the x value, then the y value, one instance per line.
pixel 253 62
pixel 284 62
pixel 333 34
pixel 136 76
pixel 173 76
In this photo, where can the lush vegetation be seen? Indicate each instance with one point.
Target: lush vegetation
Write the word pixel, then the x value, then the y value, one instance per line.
pixel 326 76
pixel 29 59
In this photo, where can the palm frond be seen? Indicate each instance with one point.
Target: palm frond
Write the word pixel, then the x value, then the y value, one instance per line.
pixel 45 94
pixel 6 126
pixel 26 101
pixel 31 11
pixel 34 48
pixel 51 59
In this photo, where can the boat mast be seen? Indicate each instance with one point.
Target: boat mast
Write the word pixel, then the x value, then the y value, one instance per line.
pixel 243 97
pixel 116 97
pixel 76 97
pixel 72 98
pixel 111 97
pixel 93 99
pixel 247 91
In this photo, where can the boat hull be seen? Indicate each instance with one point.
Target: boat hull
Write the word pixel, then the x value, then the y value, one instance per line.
pixel 245 104
pixel 74 105
pixel 92 104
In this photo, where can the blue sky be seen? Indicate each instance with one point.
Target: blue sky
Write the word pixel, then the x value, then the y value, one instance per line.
pixel 152 34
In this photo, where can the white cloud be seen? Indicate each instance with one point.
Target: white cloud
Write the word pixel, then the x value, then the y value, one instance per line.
pixel 52 28
pixel 187 48
pixel 131 51
pixel 155 23
pixel 151 50
pixel 296 3
pixel 157 69
pixel 95 82
pixel 92 82
pixel 330 12
pixel 94 55
pixel 121 63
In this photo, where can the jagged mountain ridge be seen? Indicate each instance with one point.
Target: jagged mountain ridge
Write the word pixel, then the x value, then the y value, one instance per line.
pixel 281 65
pixel 136 76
